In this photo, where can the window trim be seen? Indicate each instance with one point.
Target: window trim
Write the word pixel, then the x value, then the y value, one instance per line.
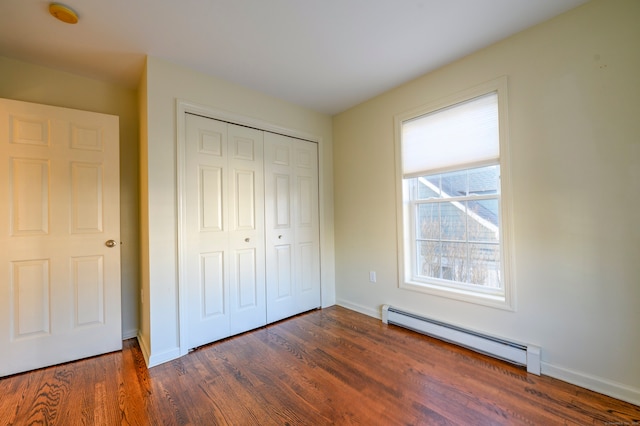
pixel 404 238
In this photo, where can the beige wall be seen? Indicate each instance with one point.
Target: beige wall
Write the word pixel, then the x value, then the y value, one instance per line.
pixel 574 92
pixel 164 83
pixel 32 83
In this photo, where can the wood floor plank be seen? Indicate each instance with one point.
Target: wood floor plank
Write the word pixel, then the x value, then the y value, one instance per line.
pixel 325 367
pixel 294 370
pixel 130 397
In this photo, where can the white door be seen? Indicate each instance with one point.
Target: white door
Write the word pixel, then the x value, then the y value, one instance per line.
pixel 59 235
pixel 246 229
pixel 224 229
pixel 292 221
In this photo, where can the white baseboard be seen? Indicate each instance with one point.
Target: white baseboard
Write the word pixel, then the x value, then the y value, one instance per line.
pixel 129 334
pixel 156 359
pixel 161 358
pixel 143 348
pixel 596 384
pixel 375 313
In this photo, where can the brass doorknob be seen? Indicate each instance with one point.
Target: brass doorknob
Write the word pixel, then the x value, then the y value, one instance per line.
pixel 110 243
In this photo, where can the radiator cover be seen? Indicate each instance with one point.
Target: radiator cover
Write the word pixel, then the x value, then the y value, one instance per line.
pixel 514 352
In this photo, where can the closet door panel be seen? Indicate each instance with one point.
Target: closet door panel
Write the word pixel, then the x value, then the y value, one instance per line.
pixel 280 279
pixel 291 193
pixel 284 267
pixel 212 284
pixel 307 225
pixel 210 198
pixel 245 197
pixel 247 286
pixel 246 233
pixel 206 251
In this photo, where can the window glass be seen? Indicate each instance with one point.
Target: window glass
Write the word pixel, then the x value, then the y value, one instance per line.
pixel 455 211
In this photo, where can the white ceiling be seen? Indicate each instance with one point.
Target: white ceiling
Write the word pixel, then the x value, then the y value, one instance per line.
pixel 326 55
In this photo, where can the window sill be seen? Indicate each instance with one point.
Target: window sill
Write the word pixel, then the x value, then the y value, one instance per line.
pixel 490 300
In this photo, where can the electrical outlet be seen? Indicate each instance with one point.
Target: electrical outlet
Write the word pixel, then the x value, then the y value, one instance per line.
pixel 372 276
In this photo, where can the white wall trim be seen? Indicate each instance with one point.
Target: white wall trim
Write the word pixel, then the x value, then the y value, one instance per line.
pixel 182 108
pixel 144 349
pixel 375 313
pixel 163 357
pixel 596 384
pixel 156 359
pixel 129 334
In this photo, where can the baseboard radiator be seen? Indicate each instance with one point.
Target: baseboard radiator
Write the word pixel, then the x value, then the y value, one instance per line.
pixel 517 353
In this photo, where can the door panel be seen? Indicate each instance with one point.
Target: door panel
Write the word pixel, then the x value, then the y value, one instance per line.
pixel 282 198
pixel 212 284
pixel 86 199
pixel 29 202
pixel 88 138
pixel 307 262
pixel 206 221
pixel 210 196
pixel 88 284
pixel 283 269
pixel 59 198
pixel 245 197
pixel 246 273
pixel 30 307
pixel 305 202
pixel 293 268
pixel 28 130
pixel 246 234
pixel 307 228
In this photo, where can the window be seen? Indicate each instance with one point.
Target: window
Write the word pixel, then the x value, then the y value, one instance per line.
pixel 454 203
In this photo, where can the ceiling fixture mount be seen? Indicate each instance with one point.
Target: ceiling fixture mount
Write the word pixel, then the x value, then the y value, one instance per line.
pixel 63 13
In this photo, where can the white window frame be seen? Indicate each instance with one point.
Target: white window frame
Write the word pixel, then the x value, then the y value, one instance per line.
pixel 505 300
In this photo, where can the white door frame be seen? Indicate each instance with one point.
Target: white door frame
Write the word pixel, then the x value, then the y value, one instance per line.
pixel 183 107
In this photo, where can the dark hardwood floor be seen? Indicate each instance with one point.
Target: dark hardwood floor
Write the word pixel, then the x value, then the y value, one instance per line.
pixel 331 366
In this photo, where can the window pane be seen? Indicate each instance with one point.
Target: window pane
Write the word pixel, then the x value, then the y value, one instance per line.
pixel 461 183
pixel 453 221
pixel 454 262
pixel 428 187
pixel 485 265
pixel 483 220
pixel 454 184
pixel 429 259
pixel 428 222
pixel 484 180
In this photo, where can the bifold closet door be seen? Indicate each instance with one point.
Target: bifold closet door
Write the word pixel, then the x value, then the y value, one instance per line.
pixel 224 229
pixel 246 229
pixel 292 226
